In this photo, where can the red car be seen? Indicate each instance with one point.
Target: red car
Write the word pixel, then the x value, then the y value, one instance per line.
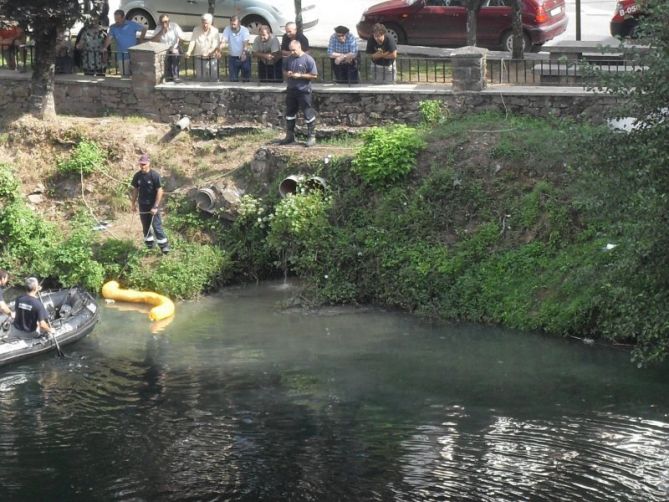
pixel 625 18
pixel 442 23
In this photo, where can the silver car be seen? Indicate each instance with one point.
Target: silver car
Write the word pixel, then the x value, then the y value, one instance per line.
pixel 252 13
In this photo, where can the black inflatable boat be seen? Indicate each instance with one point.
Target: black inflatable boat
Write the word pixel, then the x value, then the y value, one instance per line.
pixel 72 312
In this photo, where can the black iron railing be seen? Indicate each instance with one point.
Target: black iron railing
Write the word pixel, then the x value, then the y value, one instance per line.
pixel 414 70
pixel 554 72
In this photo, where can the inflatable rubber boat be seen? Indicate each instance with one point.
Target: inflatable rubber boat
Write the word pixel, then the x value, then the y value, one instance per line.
pixel 73 313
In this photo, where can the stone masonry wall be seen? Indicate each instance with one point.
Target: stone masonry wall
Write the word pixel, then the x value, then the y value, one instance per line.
pixel 337 105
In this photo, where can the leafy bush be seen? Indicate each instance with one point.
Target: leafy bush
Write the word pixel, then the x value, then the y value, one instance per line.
pixel 86 158
pixel 246 240
pixel 73 262
pixel 187 271
pixel 297 228
pixel 431 111
pixel 9 185
pixel 388 155
pixel 186 219
pixel 117 256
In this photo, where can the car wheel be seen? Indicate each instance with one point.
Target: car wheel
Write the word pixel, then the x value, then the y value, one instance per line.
pixel 507 42
pixel 253 23
pixel 396 33
pixel 142 17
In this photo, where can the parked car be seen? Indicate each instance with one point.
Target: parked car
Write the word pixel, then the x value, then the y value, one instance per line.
pixel 442 23
pixel 252 13
pixel 625 18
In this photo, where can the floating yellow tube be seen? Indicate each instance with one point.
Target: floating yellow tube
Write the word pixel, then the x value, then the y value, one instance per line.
pixel 163 309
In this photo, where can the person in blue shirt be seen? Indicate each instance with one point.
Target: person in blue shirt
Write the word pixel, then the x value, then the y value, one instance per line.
pixel 125 34
pixel 236 37
pixel 343 52
pixel 299 70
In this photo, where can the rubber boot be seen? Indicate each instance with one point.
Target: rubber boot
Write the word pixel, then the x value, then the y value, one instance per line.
pixel 290 133
pixel 311 131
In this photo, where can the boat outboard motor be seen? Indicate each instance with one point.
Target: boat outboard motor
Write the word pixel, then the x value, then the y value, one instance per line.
pixel 65 311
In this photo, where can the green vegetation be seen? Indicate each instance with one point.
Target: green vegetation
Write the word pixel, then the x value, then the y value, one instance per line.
pixel 497 220
pixel 388 155
pixel 86 158
pixel 30 245
pixel 431 112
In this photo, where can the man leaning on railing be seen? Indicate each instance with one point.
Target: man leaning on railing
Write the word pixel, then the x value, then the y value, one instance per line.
pixel 384 52
pixel 267 50
pixel 204 46
pixel 170 34
pixel 125 34
pixel 343 52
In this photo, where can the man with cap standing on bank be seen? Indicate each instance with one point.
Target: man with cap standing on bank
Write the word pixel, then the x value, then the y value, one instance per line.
pixel 147 192
pixel 299 70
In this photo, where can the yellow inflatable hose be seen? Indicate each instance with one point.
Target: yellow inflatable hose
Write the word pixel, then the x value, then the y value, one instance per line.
pixel 163 309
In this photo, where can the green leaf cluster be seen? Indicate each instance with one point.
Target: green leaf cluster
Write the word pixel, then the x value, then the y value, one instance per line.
pixel 86 158
pixel 388 154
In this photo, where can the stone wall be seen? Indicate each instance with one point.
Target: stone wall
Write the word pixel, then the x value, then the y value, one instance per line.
pixel 361 105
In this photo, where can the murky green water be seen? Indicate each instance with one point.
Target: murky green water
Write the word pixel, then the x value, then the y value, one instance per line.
pixel 239 399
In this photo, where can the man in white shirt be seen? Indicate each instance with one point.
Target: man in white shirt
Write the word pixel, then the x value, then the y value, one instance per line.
pixel 236 38
pixel 170 34
pixel 204 46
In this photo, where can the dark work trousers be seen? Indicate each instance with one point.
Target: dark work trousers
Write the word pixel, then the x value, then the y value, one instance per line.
pixel 296 100
pixel 172 64
pixel 345 73
pixel 158 235
pixel 270 72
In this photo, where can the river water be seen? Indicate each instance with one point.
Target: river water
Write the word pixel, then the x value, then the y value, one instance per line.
pixel 242 398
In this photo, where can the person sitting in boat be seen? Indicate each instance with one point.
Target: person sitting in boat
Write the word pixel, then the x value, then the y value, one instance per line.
pixel 4 308
pixel 30 312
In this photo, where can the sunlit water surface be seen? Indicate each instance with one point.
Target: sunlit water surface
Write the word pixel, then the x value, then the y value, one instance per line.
pixel 239 398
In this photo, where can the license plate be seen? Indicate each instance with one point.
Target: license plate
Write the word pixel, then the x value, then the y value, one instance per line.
pixel 92 307
pixel 556 11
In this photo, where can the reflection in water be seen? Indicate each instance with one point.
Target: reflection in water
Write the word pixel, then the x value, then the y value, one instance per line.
pixel 240 399
pixel 155 327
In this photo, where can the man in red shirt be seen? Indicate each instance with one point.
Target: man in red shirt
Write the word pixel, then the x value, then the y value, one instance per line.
pixel 11 36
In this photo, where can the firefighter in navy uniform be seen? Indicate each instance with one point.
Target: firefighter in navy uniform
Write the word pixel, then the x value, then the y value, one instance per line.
pixel 147 193
pixel 31 317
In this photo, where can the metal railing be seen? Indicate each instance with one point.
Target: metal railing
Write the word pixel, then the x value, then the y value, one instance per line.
pixel 413 70
pixel 546 72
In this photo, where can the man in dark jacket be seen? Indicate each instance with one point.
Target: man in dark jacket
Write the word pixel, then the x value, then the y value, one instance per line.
pixel 290 35
pixel 30 312
pixel 147 191
pixel 299 70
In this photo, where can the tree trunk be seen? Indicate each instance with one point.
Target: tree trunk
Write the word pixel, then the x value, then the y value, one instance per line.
pixel 471 26
pixel 42 104
pixel 517 23
pixel 212 7
pixel 298 14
